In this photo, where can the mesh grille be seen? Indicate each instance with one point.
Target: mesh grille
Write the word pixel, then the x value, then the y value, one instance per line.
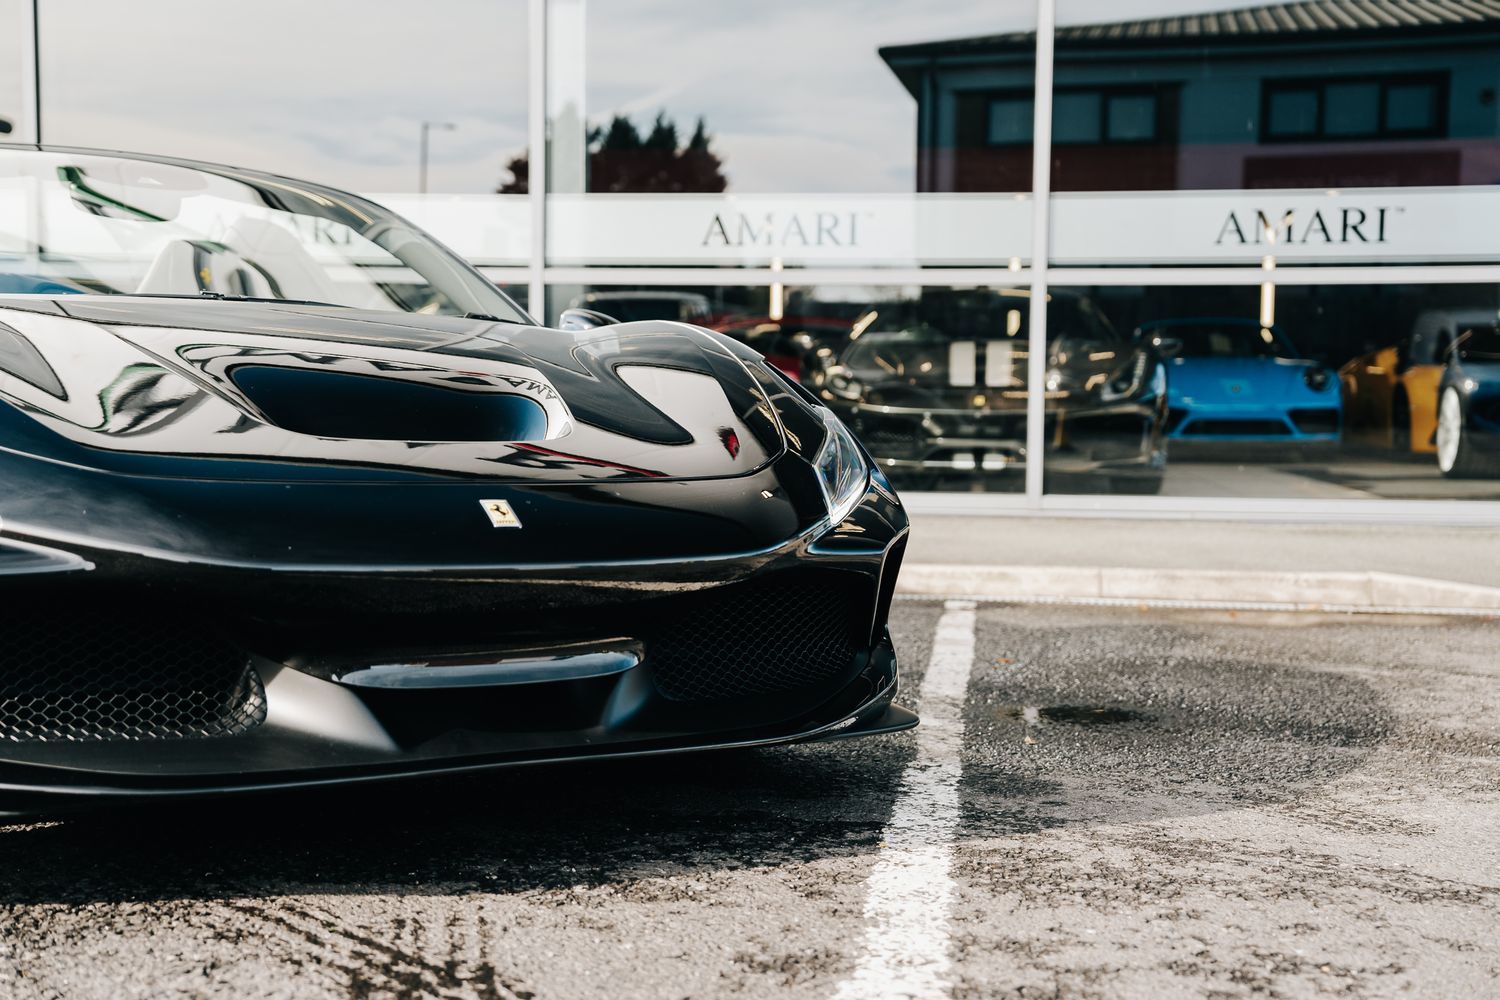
pixel 102 677
pixel 892 438
pixel 1230 427
pixel 1316 421
pixel 773 635
pixel 884 440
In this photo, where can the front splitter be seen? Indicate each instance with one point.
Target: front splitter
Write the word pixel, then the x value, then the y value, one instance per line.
pixel 31 791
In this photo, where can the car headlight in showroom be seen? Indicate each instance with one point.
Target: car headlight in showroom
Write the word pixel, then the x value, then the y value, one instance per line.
pixel 841 469
pixel 1128 383
pixel 842 384
pixel 1316 378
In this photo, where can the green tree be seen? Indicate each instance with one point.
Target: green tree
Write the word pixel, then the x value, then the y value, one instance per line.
pixel 622 160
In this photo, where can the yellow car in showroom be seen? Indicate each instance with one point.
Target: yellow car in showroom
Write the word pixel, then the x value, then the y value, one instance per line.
pixel 1391 395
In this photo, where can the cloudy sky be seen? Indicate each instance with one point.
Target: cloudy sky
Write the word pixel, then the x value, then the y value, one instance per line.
pixel 335 90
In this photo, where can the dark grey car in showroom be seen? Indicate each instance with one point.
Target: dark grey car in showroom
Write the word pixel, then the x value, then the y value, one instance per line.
pixel 937 391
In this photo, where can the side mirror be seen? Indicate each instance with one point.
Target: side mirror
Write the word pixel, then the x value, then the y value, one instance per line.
pixel 576 320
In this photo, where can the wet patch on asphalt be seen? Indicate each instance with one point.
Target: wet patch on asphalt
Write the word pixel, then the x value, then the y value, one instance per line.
pixel 1219 827
pixel 1033 716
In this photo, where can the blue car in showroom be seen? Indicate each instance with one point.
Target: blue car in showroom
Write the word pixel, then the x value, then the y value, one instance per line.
pixel 1231 380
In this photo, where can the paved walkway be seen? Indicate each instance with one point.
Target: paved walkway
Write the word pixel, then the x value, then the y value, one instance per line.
pixel 1351 567
pixel 1463 555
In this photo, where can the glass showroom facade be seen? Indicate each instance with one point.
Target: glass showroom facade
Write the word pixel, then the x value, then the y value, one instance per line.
pixel 1149 256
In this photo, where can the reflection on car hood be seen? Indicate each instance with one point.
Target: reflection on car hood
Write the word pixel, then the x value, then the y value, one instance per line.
pixel 226 389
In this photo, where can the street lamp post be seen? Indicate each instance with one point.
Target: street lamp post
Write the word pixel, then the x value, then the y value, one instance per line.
pixel 422 170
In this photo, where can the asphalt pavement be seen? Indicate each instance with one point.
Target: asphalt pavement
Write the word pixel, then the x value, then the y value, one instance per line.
pixel 1104 802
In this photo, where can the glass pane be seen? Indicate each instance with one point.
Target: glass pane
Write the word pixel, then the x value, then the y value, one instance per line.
pixel 1292 113
pixel 1352 108
pixel 15 47
pixel 1132 118
pixel 1411 107
pixel 87 223
pixel 931 379
pixel 1277 131
pixel 817 143
pixel 1011 121
pixel 1075 117
pixel 1297 391
pixel 312 91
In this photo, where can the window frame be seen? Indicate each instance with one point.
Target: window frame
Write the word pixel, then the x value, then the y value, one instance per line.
pixel 1271 86
pixel 1106 95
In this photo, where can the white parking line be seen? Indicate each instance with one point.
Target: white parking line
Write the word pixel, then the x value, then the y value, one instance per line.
pixel 911 889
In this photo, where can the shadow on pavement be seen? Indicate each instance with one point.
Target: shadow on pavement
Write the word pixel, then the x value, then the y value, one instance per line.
pixel 534 828
pixel 1074 717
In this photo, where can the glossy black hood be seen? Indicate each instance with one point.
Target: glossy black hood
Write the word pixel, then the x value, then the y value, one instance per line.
pixel 222 389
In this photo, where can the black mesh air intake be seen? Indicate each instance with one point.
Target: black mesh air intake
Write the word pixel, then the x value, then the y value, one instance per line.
pixel 82 675
pixel 780 633
pixel 1324 421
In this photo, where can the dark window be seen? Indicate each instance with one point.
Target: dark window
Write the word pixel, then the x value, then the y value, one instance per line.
pixel 1222 339
pixel 1480 343
pixel 1131 118
pixel 1411 107
pixel 1292 113
pixel 1353 108
pixel 1010 121
pixel 1075 116
pixel 1080 117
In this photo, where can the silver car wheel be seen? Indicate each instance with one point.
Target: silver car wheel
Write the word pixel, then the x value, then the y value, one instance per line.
pixel 1450 429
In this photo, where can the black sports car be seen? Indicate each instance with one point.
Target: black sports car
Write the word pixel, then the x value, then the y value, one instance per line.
pixel 1468 424
pixel 937 391
pixel 292 495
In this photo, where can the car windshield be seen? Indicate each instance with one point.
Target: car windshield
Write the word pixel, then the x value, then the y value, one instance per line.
pixel 1215 339
pixel 1480 343
pixel 116 225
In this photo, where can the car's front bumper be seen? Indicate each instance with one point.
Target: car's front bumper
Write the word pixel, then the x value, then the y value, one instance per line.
pixel 302 635
pixel 319 733
pixel 1080 439
pixel 1309 423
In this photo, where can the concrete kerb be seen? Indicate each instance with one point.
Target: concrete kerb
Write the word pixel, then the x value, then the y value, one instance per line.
pixel 1372 591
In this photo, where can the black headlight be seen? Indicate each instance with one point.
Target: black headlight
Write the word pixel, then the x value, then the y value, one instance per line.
pixel 1127 383
pixel 841 468
pixel 1316 378
pixel 842 383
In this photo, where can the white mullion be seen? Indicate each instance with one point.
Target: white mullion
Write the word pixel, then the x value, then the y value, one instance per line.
pixel 536 154
pixel 1041 190
pixel 748 276
pixel 1374 274
pixel 31 74
pixel 1369 510
pixel 1362 274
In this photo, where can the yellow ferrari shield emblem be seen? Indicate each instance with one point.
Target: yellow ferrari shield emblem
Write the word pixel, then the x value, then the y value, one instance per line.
pixel 500 514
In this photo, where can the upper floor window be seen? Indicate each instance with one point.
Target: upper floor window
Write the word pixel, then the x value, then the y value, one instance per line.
pixel 1407 107
pixel 1011 120
pixel 1090 116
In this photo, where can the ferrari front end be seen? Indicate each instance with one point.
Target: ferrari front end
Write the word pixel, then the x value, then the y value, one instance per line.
pixel 252 541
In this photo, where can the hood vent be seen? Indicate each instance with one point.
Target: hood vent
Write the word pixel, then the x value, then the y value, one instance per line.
pixel 368 407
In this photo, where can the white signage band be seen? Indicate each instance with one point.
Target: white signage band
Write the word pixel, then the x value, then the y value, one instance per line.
pixel 1366 225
